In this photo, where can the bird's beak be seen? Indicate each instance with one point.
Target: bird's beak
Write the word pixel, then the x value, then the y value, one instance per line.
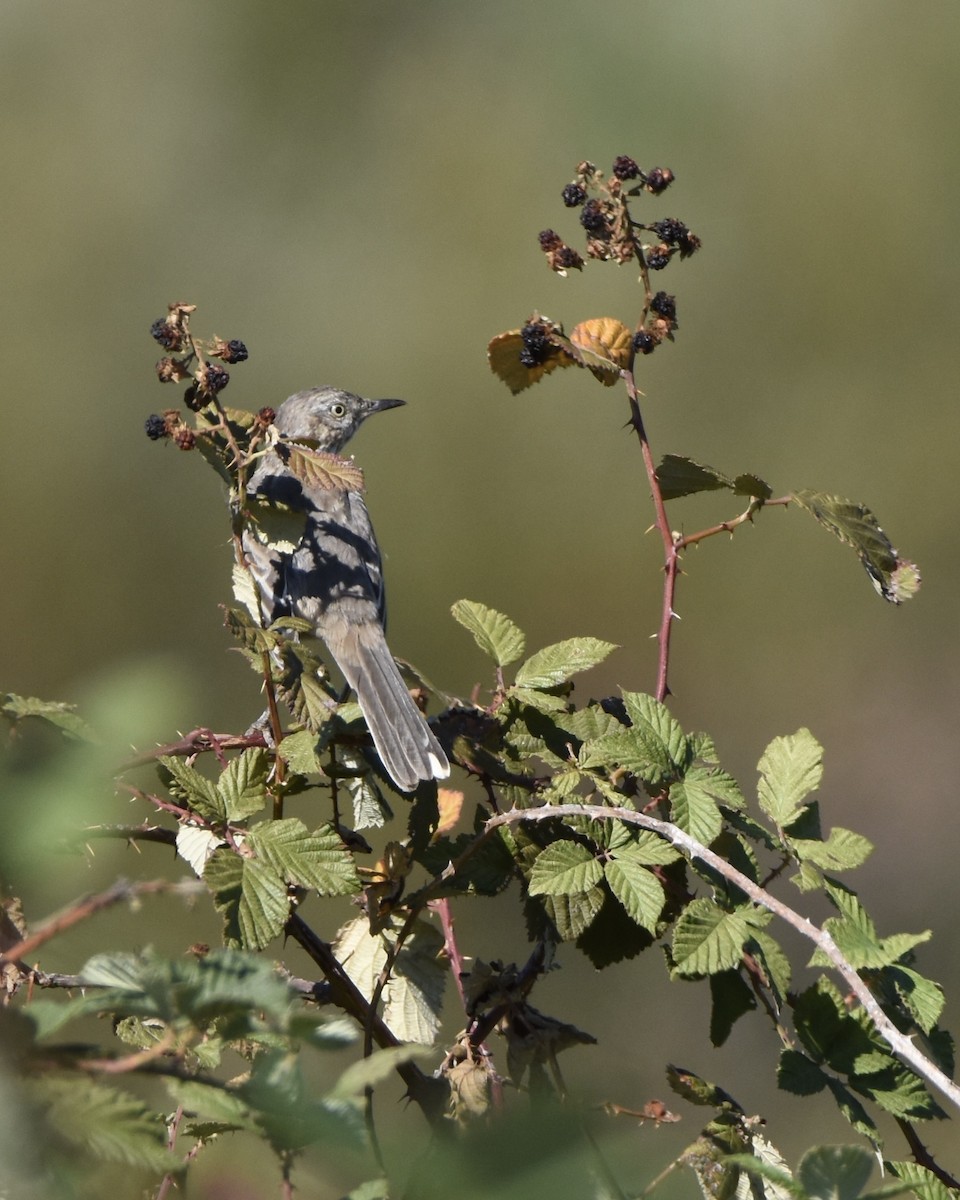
pixel 382 405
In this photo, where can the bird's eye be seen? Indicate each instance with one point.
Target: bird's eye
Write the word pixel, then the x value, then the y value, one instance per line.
pixel 337 410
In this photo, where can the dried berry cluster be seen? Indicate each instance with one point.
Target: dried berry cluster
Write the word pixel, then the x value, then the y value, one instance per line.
pixel 207 378
pixel 612 234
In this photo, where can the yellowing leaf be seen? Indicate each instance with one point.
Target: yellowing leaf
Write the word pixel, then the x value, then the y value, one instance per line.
pixel 603 344
pixel 503 355
pixel 449 803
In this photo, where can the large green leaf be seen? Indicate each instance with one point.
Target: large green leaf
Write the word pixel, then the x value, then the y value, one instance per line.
pixel 679 476
pixel 495 634
pixel 790 769
pixel 708 939
pixel 316 860
pixel 653 718
pixel 558 663
pixel 636 887
pixel 693 809
pixel 250 895
pixel 564 869
pixel 835 1172
pixel 243 785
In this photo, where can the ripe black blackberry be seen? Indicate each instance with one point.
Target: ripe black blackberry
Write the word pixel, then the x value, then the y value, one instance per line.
pixel 625 168
pixel 665 305
pixel 536 348
pixel 658 258
pixel 643 343
pixel 215 379
pixel 593 218
pixel 236 352
pixel 657 179
pixel 549 240
pixel 155 427
pixel 574 195
pixel 166 334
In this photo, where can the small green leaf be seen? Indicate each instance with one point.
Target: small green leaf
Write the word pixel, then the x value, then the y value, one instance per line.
pixel 375 1068
pixel 637 888
pixel 799 1075
pixel 679 476
pixel 694 811
pixel 564 869
pixel 496 635
pixel 655 719
pixel 790 769
pixel 752 485
pixel 558 663
pixel 708 939
pixel 894 578
pixel 299 751
pixel 922 998
pixel 842 851
pixel 243 785
pixel 186 783
pixel 637 750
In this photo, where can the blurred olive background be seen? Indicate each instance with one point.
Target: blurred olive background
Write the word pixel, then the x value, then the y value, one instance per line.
pixel 355 191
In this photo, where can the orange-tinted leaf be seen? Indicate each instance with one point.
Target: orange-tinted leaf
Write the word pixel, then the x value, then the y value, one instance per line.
pixel 449 802
pixel 317 468
pixel 603 344
pixel 503 354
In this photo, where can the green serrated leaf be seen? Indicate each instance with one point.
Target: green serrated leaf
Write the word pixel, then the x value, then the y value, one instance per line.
pixel 186 783
pixel 103 1124
pixel 251 897
pixel 317 860
pixel 560 662
pixel 921 1181
pixel 496 635
pixel 894 578
pixel 773 962
pixel 542 701
pixel 842 851
pixel 922 998
pixel 752 485
pixel 835 1172
pixel 679 476
pixel 60 716
pixel 711 781
pixel 700 1091
pixel 243 785
pixel 637 750
pixel 799 1075
pixel 693 809
pixel 299 751
pixel 790 769
pixel 708 939
pixel 656 720
pixel 564 869
pixel 636 887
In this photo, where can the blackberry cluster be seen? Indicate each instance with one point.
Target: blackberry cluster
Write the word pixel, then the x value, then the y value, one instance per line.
pixel 235 352
pixel 568 259
pixel 664 306
pixel 574 195
pixel 658 257
pixel 675 233
pixel 625 168
pixel 536 348
pixel 657 180
pixel 155 427
pixel 593 218
pixel 550 240
pixel 166 334
pixel 215 379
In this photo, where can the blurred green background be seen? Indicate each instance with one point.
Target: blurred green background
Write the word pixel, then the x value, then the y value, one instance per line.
pixel 355 191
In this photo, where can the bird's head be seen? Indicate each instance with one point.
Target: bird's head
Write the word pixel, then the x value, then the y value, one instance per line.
pixel 327 416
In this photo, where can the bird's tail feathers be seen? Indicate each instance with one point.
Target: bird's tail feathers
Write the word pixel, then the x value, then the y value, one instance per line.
pixel 407 748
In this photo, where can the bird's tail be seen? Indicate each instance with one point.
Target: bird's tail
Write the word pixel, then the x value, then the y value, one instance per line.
pixel 407 748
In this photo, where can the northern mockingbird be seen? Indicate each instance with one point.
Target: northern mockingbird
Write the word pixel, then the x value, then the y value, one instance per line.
pixel 324 566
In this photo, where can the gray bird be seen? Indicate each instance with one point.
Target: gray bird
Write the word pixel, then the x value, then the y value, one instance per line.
pixel 325 567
